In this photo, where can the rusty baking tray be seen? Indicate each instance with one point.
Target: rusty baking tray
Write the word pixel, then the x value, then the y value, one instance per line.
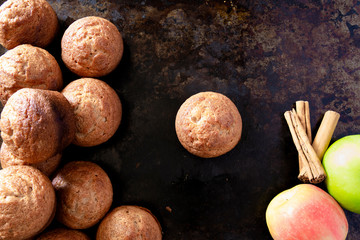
pixel 264 55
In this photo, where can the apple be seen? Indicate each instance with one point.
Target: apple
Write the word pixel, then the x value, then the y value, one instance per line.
pixel 306 212
pixel 342 165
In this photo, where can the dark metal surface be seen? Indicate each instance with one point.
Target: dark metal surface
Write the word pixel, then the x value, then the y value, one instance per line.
pixel 264 55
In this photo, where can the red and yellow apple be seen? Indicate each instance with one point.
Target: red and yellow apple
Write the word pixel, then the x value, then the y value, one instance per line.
pixel 342 165
pixel 306 212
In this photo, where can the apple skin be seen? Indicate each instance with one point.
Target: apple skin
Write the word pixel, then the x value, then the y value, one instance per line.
pixel 306 212
pixel 342 166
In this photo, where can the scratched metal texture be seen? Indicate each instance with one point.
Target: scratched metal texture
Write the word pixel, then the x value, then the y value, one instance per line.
pixel 264 55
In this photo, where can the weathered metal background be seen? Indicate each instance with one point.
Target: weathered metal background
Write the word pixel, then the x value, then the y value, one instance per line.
pixel 264 55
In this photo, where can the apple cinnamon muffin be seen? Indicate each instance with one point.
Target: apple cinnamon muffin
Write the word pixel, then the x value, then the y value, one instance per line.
pixel 27 202
pixel 63 234
pixel 128 223
pixel 91 47
pixel 97 109
pixel 208 124
pixel 27 21
pixel 26 66
pixel 47 167
pixel 84 192
pixel 37 124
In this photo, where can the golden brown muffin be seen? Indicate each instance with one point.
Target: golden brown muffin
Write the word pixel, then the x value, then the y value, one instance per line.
pixel 47 167
pixel 84 194
pixel 63 234
pixel 91 47
pixel 208 124
pixel 97 110
pixel 27 21
pixel 27 201
pixel 129 223
pixel 37 124
pixel 26 66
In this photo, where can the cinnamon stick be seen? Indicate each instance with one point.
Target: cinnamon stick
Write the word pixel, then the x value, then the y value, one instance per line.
pixel 300 110
pixel 309 152
pixel 303 111
pixel 325 132
pixel 316 173
pixel 305 172
pixel 307 121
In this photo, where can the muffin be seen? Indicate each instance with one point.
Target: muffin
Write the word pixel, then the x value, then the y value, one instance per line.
pixel 47 167
pixel 37 124
pixel 129 223
pixel 27 21
pixel 63 234
pixel 97 110
pixel 91 47
pixel 208 124
pixel 84 194
pixel 27 201
pixel 26 66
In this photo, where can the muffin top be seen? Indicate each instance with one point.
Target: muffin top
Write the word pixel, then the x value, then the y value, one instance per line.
pixel 63 234
pixel 91 47
pixel 37 124
pixel 129 223
pixel 47 167
pixel 26 194
pixel 84 194
pixel 97 109
pixel 27 21
pixel 208 124
pixel 26 66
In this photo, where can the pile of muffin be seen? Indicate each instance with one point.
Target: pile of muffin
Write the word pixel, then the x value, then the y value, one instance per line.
pixel 40 119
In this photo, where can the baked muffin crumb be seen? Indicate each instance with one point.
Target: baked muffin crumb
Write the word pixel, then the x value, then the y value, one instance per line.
pixel 97 109
pixel 84 193
pixel 37 124
pixel 129 222
pixel 208 124
pixel 63 234
pixel 92 47
pixel 27 21
pixel 26 66
pixel 47 167
pixel 26 195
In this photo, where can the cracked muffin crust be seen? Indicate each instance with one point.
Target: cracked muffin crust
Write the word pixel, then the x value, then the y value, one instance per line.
pixel 28 66
pixel 84 192
pixel 63 234
pixel 128 223
pixel 208 124
pixel 91 47
pixel 27 21
pixel 37 124
pixel 26 195
pixel 97 109
pixel 47 167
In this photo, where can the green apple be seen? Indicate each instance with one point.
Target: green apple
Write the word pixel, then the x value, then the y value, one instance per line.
pixel 342 165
